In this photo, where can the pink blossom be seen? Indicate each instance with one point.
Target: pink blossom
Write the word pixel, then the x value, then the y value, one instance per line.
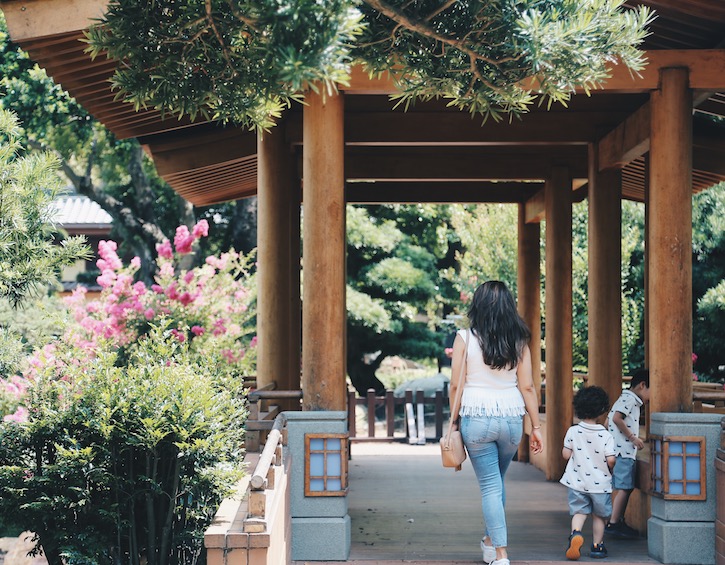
pixel 188 276
pixel 185 298
pixel 219 327
pixel 164 249
pixel 253 343
pixel 201 229
pixel 178 335
pixel 171 291
pixel 197 330
pixel 157 288
pixel 694 357
pixel 149 313
pixel 107 251
pixel 228 354
pixel 19 416
pixel 106 278
pixel 183 240
pixel 166 271
pixel 136 263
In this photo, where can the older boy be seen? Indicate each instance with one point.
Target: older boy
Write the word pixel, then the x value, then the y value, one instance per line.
pixel 624 426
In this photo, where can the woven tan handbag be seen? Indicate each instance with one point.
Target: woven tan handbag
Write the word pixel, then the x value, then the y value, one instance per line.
pixel 453 452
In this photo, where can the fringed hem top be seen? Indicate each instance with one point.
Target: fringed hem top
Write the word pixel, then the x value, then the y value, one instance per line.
pixel 488 392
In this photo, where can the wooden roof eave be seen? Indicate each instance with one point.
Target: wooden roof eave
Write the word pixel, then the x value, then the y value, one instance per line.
pixel 51 30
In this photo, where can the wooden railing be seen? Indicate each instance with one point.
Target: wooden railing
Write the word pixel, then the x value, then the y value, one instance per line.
pixel 263 478
pixel 708 399
pixel 415 406
pixel 262 413
pixel 254 526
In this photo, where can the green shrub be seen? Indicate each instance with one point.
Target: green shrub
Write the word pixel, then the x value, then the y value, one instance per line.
pixel 122 464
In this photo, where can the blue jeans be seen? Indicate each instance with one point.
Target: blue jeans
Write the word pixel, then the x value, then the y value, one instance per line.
pixel 491 442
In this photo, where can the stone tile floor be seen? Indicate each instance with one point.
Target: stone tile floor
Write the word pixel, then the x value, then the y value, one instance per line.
pixel 406 508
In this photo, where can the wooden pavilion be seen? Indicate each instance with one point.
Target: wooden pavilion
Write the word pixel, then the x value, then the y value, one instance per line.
pixel 650 138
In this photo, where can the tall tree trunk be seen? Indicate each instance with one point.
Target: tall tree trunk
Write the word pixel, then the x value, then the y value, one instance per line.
pixel 362 375
pixel 243 225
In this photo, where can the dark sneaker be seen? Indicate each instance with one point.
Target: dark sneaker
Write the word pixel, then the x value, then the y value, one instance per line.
pixel 621 530
pixel 576 540
pixel 598 551
pixel 627 531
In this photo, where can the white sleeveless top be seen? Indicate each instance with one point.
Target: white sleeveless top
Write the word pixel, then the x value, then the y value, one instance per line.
pixel 488 392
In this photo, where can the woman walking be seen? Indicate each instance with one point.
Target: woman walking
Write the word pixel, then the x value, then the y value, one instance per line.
pixel 498 391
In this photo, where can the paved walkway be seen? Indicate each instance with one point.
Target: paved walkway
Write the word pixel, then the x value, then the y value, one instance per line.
pixel 406 508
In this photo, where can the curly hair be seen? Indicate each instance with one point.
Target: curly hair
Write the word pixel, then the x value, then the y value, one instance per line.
pixel 501 332
pixel 590 402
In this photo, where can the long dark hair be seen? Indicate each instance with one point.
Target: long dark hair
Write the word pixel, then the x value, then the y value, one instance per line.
pixel 496 323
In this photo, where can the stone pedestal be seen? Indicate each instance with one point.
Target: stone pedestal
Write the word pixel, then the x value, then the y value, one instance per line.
pixel 720 487
pixel 683 531
pixel 320 524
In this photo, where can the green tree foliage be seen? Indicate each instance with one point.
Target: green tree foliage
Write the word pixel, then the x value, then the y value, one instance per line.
pixel 488 246
pixel 116 174
pixel 632 285
pixel 708 274
pixel 394 285
pixel 29 255
pixel 243 60
pixel 488 237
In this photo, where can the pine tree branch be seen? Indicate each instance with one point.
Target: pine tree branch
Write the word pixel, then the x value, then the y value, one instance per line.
pixel 422 28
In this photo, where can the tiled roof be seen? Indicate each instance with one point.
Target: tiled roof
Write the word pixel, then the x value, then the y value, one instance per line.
pixel 77 211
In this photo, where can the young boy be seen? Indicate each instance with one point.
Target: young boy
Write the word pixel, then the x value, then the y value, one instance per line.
pixel 624 426
pixel 589 450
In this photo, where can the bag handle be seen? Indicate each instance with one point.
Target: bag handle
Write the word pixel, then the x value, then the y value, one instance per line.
pixel 459 391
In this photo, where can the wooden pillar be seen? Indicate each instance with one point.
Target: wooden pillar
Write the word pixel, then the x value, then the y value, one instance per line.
pixel 275 181
pixel 323 304
pixel 559 376
pixel 646 263
pixel 528 295
pixel 605 278
pixel 294 355
pixel 670 238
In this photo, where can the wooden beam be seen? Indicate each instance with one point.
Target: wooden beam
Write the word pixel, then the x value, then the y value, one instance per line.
pixel 362 83
pixel 28 19
pixel 706 66
pixel 173 153
pixel 628 141
pixel 438 192
pixel 415 128
pixel 707 159
pixel 535 209
pixel 409 165
pixel 706 70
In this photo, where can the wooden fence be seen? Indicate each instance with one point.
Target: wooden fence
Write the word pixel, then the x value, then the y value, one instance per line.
pixel 411 408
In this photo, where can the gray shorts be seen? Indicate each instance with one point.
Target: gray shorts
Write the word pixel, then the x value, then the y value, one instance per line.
pixel 597 503
pixel 623 474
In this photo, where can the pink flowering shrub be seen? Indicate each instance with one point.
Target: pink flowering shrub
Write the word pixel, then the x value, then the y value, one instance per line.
pixel 210 306
pixel 126 432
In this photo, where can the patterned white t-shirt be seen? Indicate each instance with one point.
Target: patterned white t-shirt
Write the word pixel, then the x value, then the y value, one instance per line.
pixel 587 469
pixel 629 405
